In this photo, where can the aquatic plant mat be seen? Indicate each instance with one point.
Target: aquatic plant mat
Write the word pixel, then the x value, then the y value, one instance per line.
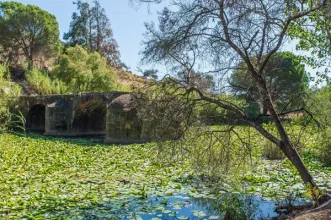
pixel 51 178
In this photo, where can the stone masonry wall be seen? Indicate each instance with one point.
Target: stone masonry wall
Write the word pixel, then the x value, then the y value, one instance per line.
pixel 60 109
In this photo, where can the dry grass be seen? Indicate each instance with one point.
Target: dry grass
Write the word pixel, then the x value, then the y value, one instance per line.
pixel 127 79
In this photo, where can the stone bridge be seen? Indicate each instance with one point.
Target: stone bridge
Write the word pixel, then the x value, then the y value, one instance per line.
pixel 109 114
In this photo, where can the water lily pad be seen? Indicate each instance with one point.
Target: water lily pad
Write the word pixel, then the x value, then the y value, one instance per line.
pixel 199 214
pixel 166 211
pixel 177 207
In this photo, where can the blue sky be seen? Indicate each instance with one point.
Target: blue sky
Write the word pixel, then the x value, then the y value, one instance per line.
pixel 127 22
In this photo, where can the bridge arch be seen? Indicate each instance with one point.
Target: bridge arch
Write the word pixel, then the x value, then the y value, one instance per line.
pixel 35 119
pixel 90 117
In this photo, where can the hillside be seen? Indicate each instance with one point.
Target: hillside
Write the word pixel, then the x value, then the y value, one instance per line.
pixel 129 80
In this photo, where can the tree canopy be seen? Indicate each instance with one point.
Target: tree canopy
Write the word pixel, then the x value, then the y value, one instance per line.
pixel 82 71
pixel 90 28
pixel 286 80
pixel 316 39
pixel 149 73
pixel 30 29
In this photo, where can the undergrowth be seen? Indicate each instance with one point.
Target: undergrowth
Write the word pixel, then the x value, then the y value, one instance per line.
pixel 8 91
pixel 43 84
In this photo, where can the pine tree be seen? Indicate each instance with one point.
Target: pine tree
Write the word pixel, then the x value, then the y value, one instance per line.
pixel 90 27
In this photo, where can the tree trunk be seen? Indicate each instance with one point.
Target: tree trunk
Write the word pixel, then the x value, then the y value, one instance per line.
pixel 98 28
pixel 285 144
pixel 292 154
pixel 90 47
pixel 263 107
pixel 30 61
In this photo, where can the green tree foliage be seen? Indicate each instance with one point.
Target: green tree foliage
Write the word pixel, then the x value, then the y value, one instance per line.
pixel 82 71
pixel 316 39
pixel 8 90
pixel 30 29
pixel 321 111
pixel 43 84
pixel 150 73
pixel 320 106
pixel 286 80
pixel 90 28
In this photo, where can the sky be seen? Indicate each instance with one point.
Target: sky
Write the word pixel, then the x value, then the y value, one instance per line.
pixel 127 25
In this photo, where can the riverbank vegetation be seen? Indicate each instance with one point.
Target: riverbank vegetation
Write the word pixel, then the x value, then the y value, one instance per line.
pixel 51 178
pixel 8 91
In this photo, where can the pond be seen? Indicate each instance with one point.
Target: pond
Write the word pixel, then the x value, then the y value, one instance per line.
pixel 182 207
pixel 178 206
pixel 46 178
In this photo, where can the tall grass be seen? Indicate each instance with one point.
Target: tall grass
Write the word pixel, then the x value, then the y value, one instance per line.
pixel 43 84
pixel 8 92
pixel 3 71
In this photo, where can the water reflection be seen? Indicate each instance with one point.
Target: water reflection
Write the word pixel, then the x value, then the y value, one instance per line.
pixel 179 206
pixel 227 206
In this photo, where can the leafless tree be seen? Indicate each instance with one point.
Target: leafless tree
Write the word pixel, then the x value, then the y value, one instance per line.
pixel 214 35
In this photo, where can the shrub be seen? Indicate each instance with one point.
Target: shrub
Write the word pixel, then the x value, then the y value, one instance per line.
pixel 82 71
pixel 43 84
pixel 321 111
pixel 4 72
pixel 212 114
pixel 8 91
pixel 271 151
pixel 323 142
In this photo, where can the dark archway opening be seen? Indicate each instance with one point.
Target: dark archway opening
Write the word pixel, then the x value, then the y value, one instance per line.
pixel 35 120
pixel 90 118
